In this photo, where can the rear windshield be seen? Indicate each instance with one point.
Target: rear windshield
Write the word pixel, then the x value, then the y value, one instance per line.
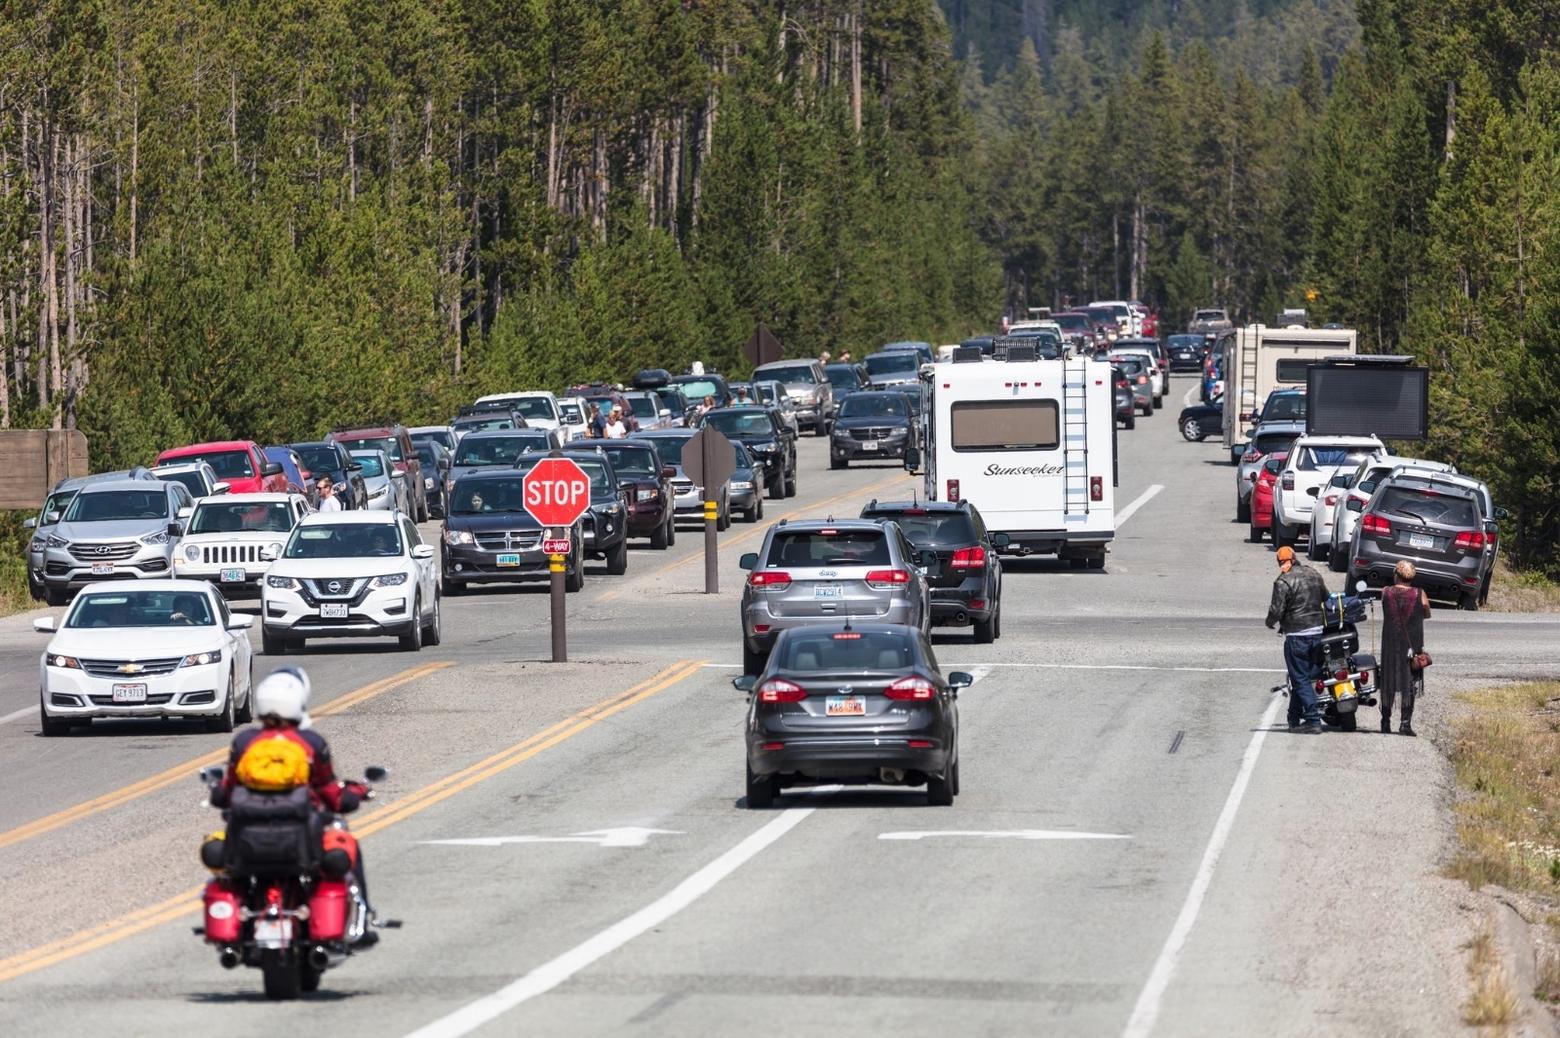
pixel 1189 341
pixel 490 450
pixel 242 517
pixel 320 459
pixel 226 464
pixel 1314 458
pixel 531 406
pixel 643 407
pixel 829 548
pixel 1128 367
pixel 1267 443
pixel 847 651
pixel 932 529
pixel 1289 407
pixel 1004 425
pixel 389 444
pixel 1428 506
pixel 874 405
pixel 790 373
pixel 191 481
pixel 670 448
pixel 1275 462
pixel 699 390
pixel 740 423
pixel 1072 322
pixel 887 363
pixel 118 505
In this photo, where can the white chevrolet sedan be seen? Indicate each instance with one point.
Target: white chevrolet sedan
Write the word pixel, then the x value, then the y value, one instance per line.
pixel 351 575
pixel 146 648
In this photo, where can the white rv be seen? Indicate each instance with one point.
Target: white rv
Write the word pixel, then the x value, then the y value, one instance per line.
pixel 1032 444
pixel 1259 359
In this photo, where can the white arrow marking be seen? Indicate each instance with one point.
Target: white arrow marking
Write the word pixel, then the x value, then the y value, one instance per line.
pixel 1007 834
pixel 626 836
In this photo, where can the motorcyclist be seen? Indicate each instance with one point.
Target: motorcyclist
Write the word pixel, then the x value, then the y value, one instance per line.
pixel 1296 609
pixel 281 702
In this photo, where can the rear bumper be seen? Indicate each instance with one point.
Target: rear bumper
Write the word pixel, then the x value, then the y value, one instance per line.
pixel 1434 575
pixel 848 758
pixel 1055 542
pixel 952 606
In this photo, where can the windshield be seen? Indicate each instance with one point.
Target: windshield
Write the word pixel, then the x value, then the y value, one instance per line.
pixel 1072 322
pixel 389 444
pixel 1314 458
pixel 899 360
pixel 740 423
pixel 471 425
pixel 632 461
pixel 1127 366
pixel 767 393
pixel 810 548
pixel 473 496
pixel 699 389
pixel 218 516
pixel 426 452
pixel 373 465
pixel 849 651
pixel 874 405
pixel 344 541
pixel 118 506
pixel 928 529
pixel 643 407
pixel 441 436
pixel 790 373
pixel 142 609
pixel 226 464
pixel 1192 342
pixel 57 502
pixel 672 400
pixel 593 468
pixel 491 450
pixel 844 377
pixel 531 406
pixel 1267 443
pixel 670 448
pixel 320 459
pixel 1286 407
pixel 190 481
pixel 570 413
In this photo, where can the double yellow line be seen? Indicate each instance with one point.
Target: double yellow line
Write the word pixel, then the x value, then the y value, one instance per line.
pixel 187 770
pixel 187 902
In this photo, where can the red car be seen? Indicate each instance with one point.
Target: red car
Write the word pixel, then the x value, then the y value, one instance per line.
pixel 240 463
pixel 1262 494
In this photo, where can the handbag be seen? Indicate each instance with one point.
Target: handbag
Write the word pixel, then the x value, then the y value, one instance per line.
pixel 1418 661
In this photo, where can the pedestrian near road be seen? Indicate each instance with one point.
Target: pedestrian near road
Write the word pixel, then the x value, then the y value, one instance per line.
pixel 615 429
pixel 845 357
pixel 597 429
pixel 1296 610
pixel 1404 609
pixel 329 502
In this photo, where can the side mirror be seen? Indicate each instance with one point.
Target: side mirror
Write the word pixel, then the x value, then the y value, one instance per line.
pixel 1000 541
pixel 272 469
pixel 212 775
pixel 30 524
pixel 744 683
pixel 354 466
pixel 374 773
pixel 1354 505
pixel 268 553
pixel 422 551
pixel 175 529
pixel 1312 491
pixel 221 488
pixel 748 560
pixel 912 458
pixel 240 622
pixel 51 518
pixel 959 679
pixel 1501 513
pixel 45 625
pixel 667 472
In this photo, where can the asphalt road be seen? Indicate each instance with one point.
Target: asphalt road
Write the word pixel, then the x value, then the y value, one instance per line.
pixel 1134 851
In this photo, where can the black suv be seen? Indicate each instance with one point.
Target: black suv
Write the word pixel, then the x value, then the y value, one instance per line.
pixel 604 528
pixel 872 424
pixel 328 456
pixel 766 436
pixel 958 558
pixel 648 483
pixel 490 538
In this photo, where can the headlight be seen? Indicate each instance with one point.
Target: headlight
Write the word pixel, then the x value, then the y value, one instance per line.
pixel 37 544
pixel 458 536
pixel 388 580
pixel 449 486
pixel 741 485
pixel 57 542
pixel 282 583
pixel 192 552
pixel 381 492
pixel 428 482
pixel 613 509
pixel 201 659
pixel 67 662
pixel 646 495
pixel 767 447
pixel 160 537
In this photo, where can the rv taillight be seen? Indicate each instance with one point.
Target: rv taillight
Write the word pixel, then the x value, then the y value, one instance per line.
pixel 1096 488
pixel 953 490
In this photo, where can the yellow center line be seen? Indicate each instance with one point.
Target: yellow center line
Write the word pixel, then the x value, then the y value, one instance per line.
pixel 187 902
pixel 758 530
pixel 180 772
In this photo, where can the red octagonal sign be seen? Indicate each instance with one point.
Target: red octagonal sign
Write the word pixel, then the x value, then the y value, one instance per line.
pixel 557 492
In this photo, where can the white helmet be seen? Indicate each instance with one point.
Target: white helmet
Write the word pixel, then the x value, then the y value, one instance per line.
pixel 283 693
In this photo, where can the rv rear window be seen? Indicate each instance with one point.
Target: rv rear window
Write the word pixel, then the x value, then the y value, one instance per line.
pixel 1293 369
pixel 1005 425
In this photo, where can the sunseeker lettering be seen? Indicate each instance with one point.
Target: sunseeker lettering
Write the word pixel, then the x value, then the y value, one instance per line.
pixel 1023 470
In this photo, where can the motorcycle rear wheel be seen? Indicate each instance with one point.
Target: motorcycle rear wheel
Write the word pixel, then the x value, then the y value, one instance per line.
pixel 309 977
pixel 283 976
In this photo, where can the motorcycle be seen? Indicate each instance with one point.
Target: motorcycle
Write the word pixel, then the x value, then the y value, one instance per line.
pixel 1348 676
pixel 285 897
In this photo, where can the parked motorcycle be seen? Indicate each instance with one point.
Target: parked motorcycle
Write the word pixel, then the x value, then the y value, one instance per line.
pixel 285 898
pixel 1348 676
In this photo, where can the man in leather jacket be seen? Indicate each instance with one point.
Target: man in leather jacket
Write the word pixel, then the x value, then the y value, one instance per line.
pixel 1296 610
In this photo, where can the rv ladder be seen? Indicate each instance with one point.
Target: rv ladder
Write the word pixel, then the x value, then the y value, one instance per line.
pixel 1075 442
pixel 1248 382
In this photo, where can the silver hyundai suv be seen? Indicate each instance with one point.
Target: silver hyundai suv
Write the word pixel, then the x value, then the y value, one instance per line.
pixel 823 571
pixel 119 529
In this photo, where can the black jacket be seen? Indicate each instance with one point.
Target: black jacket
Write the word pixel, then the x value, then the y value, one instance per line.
pixel 1297 599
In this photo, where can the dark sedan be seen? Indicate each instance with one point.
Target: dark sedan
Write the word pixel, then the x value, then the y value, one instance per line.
pixel 1200 421
pixel 647 484
pixel 489 537
pixel 862 704
pixel 875 424
pixel 1186 352
pixel 766 435
pixel 962 569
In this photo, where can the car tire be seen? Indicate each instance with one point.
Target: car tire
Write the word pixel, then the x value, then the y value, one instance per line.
pixel 1159 402
pixel 56 598
pixel 1242 509
pixel 790 485
pixel 48 726
pixel 454 588
pixel 761 791
pixel 1313 550
pixel 820 429
pixel 617 559
pixel 658 539
pixel 753 662
pixel 574 580
pixel 224 721
pixel 1282 536
pixel 1337 561
pixel 435 631
pixel 986 630
pixel 246 713
pixel 35 587
pixel 723 522
pixel 1468 601
pixel 671 529
pixel 776 489
pixel 1484 589
pixel 750 515
pixel 412 641
pixel 272 644
pixel 1131 422
pixel 1191 430
pixel 1097 560
pixel 838 463
pixel 939 789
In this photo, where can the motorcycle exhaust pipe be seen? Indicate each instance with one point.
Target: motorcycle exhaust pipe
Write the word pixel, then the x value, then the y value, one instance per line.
pixel 319 958
pixel 228 957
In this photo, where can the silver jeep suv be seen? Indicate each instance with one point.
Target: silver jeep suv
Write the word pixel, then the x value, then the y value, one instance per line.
pixel 119 529
pixel 823 571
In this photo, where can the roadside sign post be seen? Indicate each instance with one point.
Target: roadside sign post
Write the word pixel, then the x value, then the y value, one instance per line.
pixel 557 493
pixel 762 348
pixel 709 460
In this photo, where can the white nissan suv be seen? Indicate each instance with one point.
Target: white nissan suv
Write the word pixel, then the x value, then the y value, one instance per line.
pixel 351 575
pixel 1313 462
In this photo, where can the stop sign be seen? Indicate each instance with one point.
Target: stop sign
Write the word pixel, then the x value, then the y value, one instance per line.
pixel 557 492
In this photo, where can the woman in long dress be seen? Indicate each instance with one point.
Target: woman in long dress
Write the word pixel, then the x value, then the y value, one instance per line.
pixel 1404 608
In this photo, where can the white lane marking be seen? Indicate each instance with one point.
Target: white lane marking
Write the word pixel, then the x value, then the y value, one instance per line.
pixel 1144 498
pixel 19 714
pixel 1146 1012
pixel 1009 834
pixel 1195 389
pixel 1141 666
pixel 625 836
pixel 976 673
pixel 549 975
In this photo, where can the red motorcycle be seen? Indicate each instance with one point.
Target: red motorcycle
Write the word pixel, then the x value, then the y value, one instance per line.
pixel 286 898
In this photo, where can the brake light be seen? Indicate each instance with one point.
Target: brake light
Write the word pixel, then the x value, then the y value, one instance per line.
pixel 778 580
pixel 1364 677
pixel 848 636
pixel 913 688
pixel 920 744
pixel 1289 481
pixel 1342 675
pixel 969 558
pixel 1096 488
pixel 778 690
pixel 1375 525
pixel 1252 455
pixel 1142 380
pixel 953 490
pixel 1330 500
pixel 881 578
pixel 1471 540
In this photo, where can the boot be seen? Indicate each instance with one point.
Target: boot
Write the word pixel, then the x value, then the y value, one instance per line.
pixel 1405 729
pixel 1386 725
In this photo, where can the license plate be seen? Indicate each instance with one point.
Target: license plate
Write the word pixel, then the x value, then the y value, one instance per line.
pixel 333 611
pixel 869 445
pixel 828 591
pixel 102 569
pixel 1343 690
pixel 509 558
pixel 846 706
pixel 233 576
pixel 129 693
pixel 273 932
pixel 1421 540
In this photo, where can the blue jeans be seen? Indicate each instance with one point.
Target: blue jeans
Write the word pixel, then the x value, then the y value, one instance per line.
pixel 1300 658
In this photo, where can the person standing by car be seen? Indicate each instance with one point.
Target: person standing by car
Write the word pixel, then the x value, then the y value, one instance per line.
pixel 1296 610
pixel 329 502
pixel 615 429
pixel 1404 609
pixel 597 428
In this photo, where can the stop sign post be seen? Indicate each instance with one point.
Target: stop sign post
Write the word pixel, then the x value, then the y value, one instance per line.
pixel 556 494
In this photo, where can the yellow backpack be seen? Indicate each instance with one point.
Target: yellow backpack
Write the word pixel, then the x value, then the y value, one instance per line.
pixel 272 764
